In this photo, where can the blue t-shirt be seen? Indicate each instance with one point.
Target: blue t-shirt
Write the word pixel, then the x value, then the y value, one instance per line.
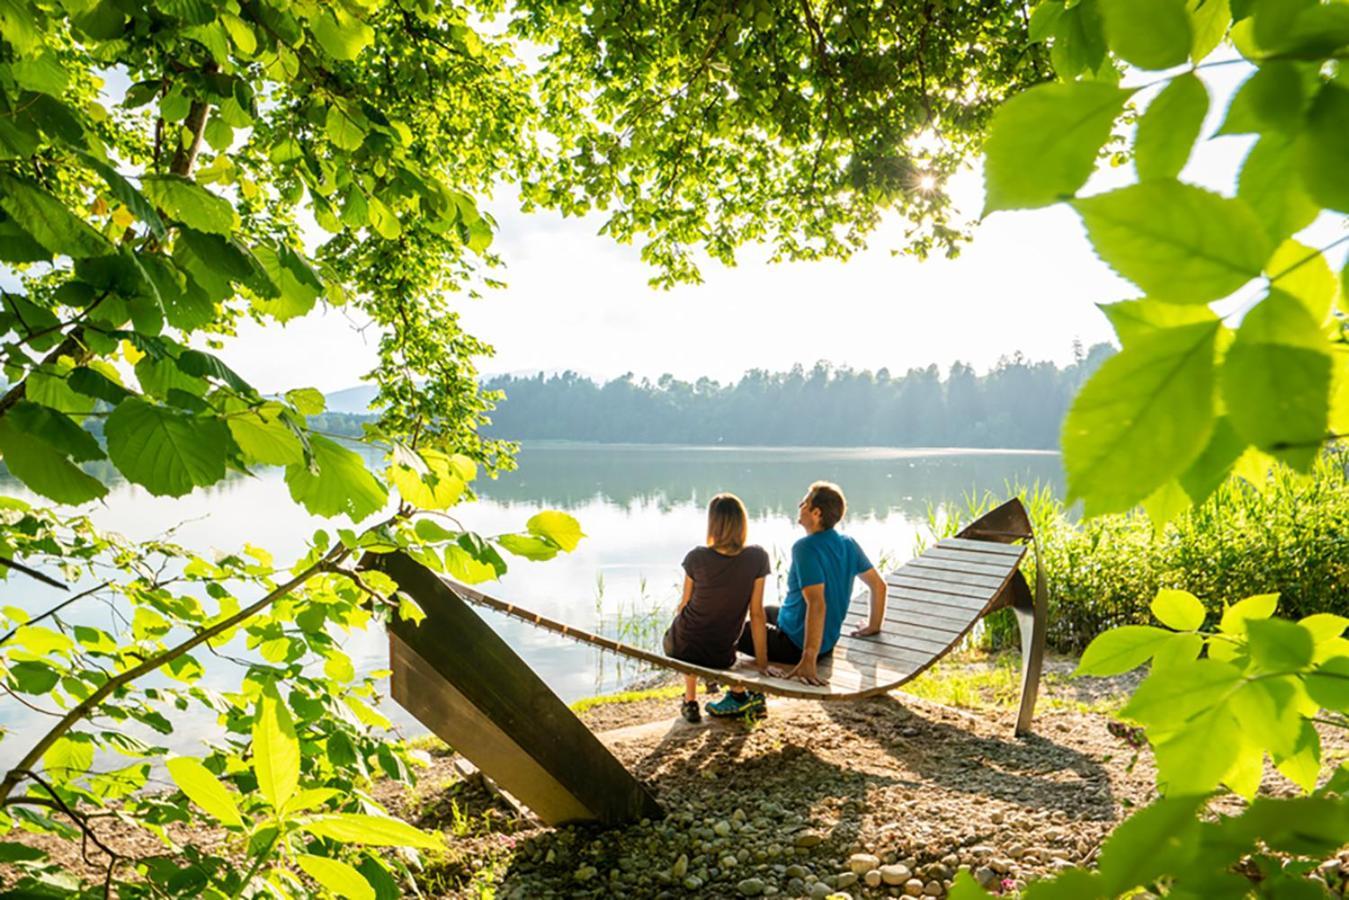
pixel 828 558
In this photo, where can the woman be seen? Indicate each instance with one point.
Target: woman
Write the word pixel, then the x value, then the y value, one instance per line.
pixel 723 581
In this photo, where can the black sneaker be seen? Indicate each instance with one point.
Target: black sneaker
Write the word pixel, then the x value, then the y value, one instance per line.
pixel 689 710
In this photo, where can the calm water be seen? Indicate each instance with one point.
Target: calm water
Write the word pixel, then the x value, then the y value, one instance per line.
pixel 642 508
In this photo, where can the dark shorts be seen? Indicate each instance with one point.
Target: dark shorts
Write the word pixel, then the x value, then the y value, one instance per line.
pixel 691 654
pixel 781 649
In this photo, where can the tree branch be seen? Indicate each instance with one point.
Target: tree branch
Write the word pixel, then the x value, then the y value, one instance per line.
pixel 55 609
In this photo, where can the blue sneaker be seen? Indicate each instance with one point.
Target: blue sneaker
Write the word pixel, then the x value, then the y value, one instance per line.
pixel 735 705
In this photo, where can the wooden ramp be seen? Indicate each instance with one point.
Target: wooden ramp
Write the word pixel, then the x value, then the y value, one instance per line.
pixel 462 681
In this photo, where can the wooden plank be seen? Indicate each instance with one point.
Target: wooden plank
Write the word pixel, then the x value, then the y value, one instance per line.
pixel 472 682
pixel 959 555
pixel 893 659
pixel 982 546
pixel 907 604
pixel 860 674
pixel 989 582
pixel 874 647
pixel 980 593
pixel 902 634
pixel 919 627
pixel 953 565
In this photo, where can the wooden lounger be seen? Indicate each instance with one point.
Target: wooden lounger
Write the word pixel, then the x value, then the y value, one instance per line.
pixel 463 682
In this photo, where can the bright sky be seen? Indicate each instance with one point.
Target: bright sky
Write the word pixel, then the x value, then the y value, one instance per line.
pixel 1029 281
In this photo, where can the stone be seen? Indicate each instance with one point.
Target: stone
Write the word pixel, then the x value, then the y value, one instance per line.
pixel 750 887
pixel 845 880
pixel 819 891
pixel 861 863
pixel 982 850
pixel 722 829
pixel 995 817
pixel 796 872
pixel 1000 865
pixel 950 860
pixel 680 867
pixel 585 873
pixel 796 887
pixel 692 883
pixel 913 887
pixel 808 839
pixel 896 874
pixel 872 878
pixel 985 876
pixel 933 889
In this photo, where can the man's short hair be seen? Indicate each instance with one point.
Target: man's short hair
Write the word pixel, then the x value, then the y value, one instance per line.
pixel 828 498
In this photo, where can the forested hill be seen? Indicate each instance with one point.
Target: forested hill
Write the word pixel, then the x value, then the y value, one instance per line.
pixel 1018 404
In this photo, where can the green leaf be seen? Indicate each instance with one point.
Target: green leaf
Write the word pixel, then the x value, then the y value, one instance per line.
pixel 1303 768
pixel 276 751
pixel 341 35
pixel 1304 272
pixel 55 429
pixel 558 527
pixel 1043 20
pixel 341 486
pixel 1268 715
pixel 31 677
pixel 1270 184
pixel 433 532
pixel 1165 504
pixel 1169 127
pixel 43 469
pixel 1149 34
pixel 1236 617
pixel 1211 468
pixel 345 131
pixel 468 569
pixel 1322 153
pixel 373 831
pixel 1069 884
pixel 41 641
pixel 126 193
pixel 203 788
pixel 166 451
pixel 264 437
pixel 1180 610
pixel 1209 21
pixel 1121 649
pixel 425 479
pixel 1168 698
pixel 1180 243
pixel 535 548
pixel 1043 143
pixel 1194 759
pixel 1270 100
pixel 1328 684
pixel 343 880
pixel 1141 419
pixel 1079 41
pixel 1276 380
pixel 190 203
pixel 1277 645
pixel 48 221
pixel 69 757
pixel 307 401
pixel 1149 843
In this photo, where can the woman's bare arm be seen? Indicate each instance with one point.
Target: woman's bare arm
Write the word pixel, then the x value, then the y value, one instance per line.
pixel 688 593
pixel 758 626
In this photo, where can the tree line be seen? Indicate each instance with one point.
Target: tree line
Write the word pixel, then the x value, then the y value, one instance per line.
pixel 1018 403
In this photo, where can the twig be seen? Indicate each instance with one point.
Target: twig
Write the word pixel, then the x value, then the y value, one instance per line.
pixel 33 573
pixel 114 858
pixel 55 609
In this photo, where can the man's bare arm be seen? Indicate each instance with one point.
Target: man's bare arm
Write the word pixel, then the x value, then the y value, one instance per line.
pixel 805 670
pixel 873 580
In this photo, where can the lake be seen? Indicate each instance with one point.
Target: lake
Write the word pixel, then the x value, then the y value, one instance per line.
pixel 642 508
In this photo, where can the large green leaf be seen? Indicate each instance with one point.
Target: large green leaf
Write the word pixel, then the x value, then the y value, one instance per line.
pixel 1328 684
pixel 276 751
pixel 44 469
pixel 69 757
pixel 425 479
pixel 341 486
pixel 1180 610
pixel 1180 243
pixel 1169 128
pixel 341 35
pixel 1149 34
pixel 264 437
pixel 1211 468
pixel 559 527
pixel 1209 21
pixel 1043 143
pixel 1271 100
pixel 166 451
pixel 190 203
pixel 126 193
pixel 1148 843
pixel 1121 649
pixel 1277 645
pixel 374 831
pixel 345 131
pixel 1169 698
pixel 1133 319
pixel 340 878
pixel 1236 617
pixel 1141 419
pixel 1193 760
pixel 1270 185
pixel 48 221
pixel 1276 380
pixel 55 429
pixel 1322 151
pixel 1304 273
pixel 204 789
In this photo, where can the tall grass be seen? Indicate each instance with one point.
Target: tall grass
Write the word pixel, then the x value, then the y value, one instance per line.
pixel 1289 535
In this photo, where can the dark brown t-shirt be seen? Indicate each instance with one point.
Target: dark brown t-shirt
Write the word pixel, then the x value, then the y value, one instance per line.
pixel 706 629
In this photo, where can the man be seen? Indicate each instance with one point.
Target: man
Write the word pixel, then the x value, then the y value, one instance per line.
pixel 820 583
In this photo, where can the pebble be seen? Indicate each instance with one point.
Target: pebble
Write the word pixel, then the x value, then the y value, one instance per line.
pixel 819 891
pixel 896 874
pixel 722 829
pixel 861 863
pixel 750 887
pixel 999 865
pixel 796 887
pixel 933 889
pixel 845 880
pixel 985 876
pixel 982 850
pixel 995 817
pixel 913 887
pixel 692 883
pixel 681 866
pixel 809 839
pixel 873 878
pixel 797 872
pixel 585 873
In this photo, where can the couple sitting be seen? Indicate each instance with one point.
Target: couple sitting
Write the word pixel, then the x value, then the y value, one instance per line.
pixel 725 580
